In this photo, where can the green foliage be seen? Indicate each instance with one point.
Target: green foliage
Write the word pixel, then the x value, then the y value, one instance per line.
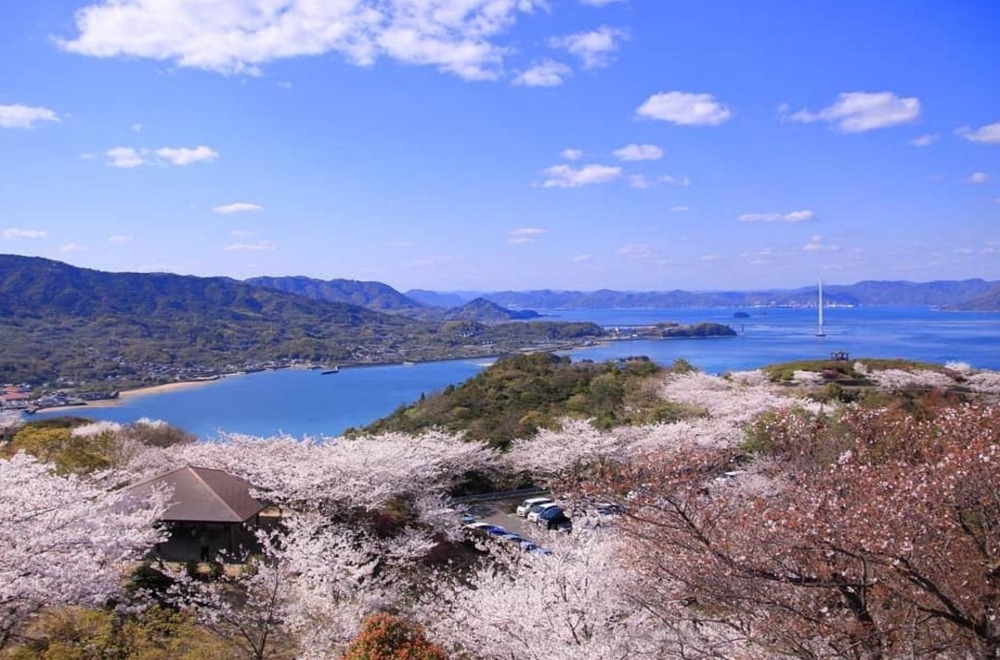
pixel 521 394
pixel 68 453
pixel 84 634
pixel 387 637
pixel 90 327
pixel 843 371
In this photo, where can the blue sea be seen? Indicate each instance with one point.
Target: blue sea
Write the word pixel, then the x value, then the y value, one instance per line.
pixel 306 403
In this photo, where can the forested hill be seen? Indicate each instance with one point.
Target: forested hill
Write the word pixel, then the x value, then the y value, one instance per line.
pixel 58 320
pixel 373 295
pixel 990 302
pixel 520 394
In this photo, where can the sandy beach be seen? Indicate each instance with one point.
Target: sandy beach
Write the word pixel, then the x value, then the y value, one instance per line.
pixel 141 391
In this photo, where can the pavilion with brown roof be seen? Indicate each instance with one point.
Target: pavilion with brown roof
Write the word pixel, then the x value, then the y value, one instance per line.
pixel 209 511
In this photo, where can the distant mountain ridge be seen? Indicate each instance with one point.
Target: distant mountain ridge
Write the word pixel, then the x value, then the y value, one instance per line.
pixel 427 304
pixel 63 323
pixel 487 311
pixel 373 295
pixel 866 293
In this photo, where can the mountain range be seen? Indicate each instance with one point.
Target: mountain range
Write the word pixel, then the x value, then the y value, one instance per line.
pixel 58 321
pixel 974 294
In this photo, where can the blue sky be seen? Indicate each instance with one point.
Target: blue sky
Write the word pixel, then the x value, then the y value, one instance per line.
pixel 506 144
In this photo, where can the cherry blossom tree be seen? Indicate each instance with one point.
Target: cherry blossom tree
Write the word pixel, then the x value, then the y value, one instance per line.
pixel 878 536
pixel 63 541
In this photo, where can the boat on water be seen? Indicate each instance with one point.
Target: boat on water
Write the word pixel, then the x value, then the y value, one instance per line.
pixel 332 370
pixel 819 306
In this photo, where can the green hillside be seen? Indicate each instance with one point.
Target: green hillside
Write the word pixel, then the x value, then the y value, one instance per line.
pixel 62 322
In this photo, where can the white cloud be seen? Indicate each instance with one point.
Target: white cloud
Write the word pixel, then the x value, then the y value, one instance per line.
pixel 238 207
pixel 121 239
pixel 24 116
pixel 794 216
pixel 238 36
pixel 815 243
pixel 857 112
pixel 639 152
pixel 680 209
pixel 69 248
pixel 582 259
pixel 564 176
pixel 547 74
pixel 137 128
pixel 124 157
pixel 636 251
pixel 256 247
pixel 128 157
pixel 525 235
pixel 639 181
pixel 988 134
pixel 978 177
pixel 925 140
pixel 681 181
pixel 240 233
pixel 595 48
pixel 186 156
pixel 572 154
pixel 711 257
pixel 14 233
pixel 685 109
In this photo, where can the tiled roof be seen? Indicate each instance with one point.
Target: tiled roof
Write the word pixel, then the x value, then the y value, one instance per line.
pixel 203 495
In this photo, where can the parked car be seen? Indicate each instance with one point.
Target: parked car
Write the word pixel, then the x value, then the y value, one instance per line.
pixel 525 506
pixel 485 529
pixel 538 509
pixel 559 522
pixel 545 515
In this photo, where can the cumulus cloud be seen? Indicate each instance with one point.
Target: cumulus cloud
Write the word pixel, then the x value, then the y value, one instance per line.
pixel 572 154
pixel 124 157
pixel 238 207
pixel 69 248
pixel 185 156
pixel 255 247
pixel 595 48
pixel 547 74
pixel 14 233
pixel 988 134
pixel 639 152
pixel 858 112
pixel 24 116
pixel 564 176
pixel 680 209
pixel 238 36
pixel 129 157
pixel 978 177
pixel 792 217
pixel 582 259
pixel 925 140
pixel 685 109
pixel 525 235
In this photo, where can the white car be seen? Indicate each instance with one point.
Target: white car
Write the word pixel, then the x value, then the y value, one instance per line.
pixel 526 505
pixel 538 509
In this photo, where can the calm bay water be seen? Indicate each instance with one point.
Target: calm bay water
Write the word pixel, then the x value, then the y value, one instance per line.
pixel 306 403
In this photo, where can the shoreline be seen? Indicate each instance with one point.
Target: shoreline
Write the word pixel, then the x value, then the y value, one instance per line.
pixel 124 395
